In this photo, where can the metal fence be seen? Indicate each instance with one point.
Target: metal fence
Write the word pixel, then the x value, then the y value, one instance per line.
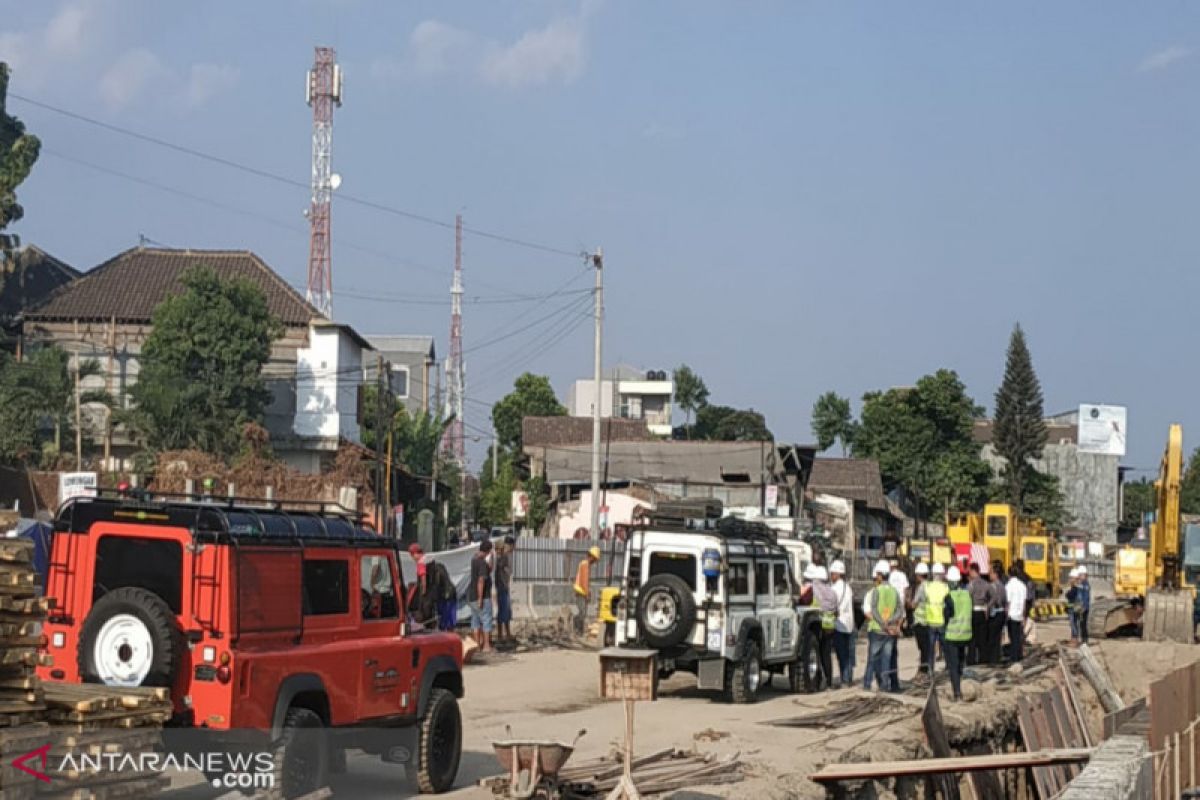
pixel 543 560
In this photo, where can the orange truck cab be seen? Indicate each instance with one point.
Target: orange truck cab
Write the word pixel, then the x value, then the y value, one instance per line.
pixel 256 619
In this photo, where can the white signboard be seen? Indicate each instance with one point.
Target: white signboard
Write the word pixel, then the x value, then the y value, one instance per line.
pixel 772 499
pixel 520 504
pixel 76 484
pixel 1102 430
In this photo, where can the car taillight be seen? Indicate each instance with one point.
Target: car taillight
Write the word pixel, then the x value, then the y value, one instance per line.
pixel 224 674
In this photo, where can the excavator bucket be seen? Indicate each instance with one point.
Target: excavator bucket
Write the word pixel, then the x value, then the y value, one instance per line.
pixel 1110 615
pixel 1168 616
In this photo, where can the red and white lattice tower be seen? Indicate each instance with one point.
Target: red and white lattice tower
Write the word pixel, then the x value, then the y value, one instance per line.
pixel 323 90
pixel 456 372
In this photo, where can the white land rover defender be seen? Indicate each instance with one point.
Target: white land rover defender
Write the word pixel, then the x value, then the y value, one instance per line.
pixel 717 598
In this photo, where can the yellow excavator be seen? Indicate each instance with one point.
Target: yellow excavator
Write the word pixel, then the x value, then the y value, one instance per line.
pixel 1154 584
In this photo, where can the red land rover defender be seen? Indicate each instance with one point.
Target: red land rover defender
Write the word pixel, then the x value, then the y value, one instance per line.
pixel 281 622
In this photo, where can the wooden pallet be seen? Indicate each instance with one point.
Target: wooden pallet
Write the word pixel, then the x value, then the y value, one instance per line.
pixel 16 550
pixel 138 788
pixel 33 606
pixel 90 699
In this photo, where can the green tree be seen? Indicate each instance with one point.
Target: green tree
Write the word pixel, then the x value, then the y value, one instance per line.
pixel 691 393
pixel 1019 434
pixel 1189 488
pixel 532 396
pixel 1137 501
pixel 921 437
pixel 495 497
pixel 1044 499
pixel 37 403
pixel 832 421
pixel 725 423
pixel 18 152
pixel 201 366
pixel 539 503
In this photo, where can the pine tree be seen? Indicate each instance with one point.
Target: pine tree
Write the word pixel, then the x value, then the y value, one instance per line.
pixel 1020 427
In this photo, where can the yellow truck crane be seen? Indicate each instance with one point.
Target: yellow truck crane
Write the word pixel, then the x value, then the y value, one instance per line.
pixel 1151 581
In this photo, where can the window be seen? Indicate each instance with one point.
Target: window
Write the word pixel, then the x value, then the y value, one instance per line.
pixel 680 565
pixel 997 526
pixel 326 587
pixel 762 578
pixel 1035 552
pixel 400 382
pixel 152 564
pixel 378 589
pixel 780 576
pixel 738 579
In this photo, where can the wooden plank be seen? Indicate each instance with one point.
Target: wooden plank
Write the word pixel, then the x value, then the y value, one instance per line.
pixel 939 742
pixel 1069 733
pixel 1069 683
pixel 946 766
pixel 1029 734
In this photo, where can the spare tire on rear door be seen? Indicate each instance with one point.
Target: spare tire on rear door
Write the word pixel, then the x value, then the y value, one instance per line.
pixel 666 611
pixel 130 638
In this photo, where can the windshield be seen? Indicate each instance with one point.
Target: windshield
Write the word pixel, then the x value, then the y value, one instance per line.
pixel 1191 546
pixel 1034 551
pixel 996 526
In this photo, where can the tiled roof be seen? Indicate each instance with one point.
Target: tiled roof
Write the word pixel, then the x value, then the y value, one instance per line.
pixel 553 431
pixel 389 343
pixel 130 286
pixel 1056 432
pixel 853 478
pixel 703 462
pixel 29 277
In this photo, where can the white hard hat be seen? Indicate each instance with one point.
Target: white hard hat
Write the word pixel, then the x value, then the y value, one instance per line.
pixel 822 574
pixel 838 567
pixel 1074 573
pixel 1082 569
pixel 810 572
pixel 882 568
pixel 922 568
pixel 939 569
pixel 953 575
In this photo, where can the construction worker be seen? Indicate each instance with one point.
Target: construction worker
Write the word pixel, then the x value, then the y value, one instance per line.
pixel 920 626
pixel 583 580
pixel 826 600
pixel 1016 593
pixel 957 609
pixel 1073 604
pixel 997 613
pixel 980 593
pixel 886 612
pixel 1085 603
pixel 936 592
pixel 843 632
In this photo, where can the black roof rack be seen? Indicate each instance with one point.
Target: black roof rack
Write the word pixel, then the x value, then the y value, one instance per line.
pixel 221 519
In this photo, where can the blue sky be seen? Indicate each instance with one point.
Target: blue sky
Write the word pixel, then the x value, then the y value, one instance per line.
pixel 792 197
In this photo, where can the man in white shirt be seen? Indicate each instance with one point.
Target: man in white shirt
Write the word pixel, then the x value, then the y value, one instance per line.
pixel 1016 593
pixel 843 631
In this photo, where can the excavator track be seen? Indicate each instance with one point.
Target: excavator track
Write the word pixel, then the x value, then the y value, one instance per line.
pixel 1109 615
pixel 1168 616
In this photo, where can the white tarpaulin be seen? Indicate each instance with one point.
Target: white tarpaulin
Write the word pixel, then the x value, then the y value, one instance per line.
pixel 457 563
pixel 1102 430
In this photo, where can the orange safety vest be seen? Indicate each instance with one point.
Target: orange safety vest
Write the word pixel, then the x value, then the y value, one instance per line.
pixel 583 577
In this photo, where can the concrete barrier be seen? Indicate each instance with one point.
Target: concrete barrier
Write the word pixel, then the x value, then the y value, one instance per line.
pixel 1120 769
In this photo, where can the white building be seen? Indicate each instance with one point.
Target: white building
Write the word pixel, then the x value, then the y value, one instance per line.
pixel 627 393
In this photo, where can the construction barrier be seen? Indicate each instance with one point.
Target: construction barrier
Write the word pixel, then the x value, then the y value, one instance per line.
pixel 1049 609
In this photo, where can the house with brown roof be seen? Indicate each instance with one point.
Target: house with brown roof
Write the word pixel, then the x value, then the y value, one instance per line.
pixel 106 314
pixel 845 497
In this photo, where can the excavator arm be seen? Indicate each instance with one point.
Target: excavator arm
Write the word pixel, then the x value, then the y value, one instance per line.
pixel 1164 530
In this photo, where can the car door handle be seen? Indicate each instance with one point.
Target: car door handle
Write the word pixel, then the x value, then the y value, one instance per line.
pixel 370 662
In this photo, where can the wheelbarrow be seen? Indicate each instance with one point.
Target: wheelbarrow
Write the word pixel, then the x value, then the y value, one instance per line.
pixel 533 764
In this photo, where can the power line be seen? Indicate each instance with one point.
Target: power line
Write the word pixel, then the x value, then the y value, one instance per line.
pixel 574 305
pixel 283 179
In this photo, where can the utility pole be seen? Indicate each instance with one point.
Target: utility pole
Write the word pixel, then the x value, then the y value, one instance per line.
pixel 495 454
pixel 78 410
pixel 598 263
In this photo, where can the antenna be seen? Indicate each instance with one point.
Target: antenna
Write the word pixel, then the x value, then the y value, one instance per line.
pixel 322 91
pixel 456 372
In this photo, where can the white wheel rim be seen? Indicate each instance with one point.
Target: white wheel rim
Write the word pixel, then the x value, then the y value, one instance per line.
pixel 660 611
pixel 753 675
pixel 123 651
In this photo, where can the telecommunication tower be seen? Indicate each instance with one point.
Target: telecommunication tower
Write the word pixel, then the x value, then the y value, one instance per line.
pixel 456 372
pixel 322 91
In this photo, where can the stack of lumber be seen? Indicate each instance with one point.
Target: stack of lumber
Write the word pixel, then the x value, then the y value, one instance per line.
pixel 105 722
pixel 21 705
pixel 21 615
pixel 657 773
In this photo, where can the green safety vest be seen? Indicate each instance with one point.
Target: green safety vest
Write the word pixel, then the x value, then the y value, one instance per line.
pixel 919 613
pixel 958 629
pixel 828 618
pixel 935 598
pixel 886 601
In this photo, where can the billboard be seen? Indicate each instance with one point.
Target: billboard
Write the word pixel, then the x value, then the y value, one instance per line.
pixel 1102 429
pixel 76 484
